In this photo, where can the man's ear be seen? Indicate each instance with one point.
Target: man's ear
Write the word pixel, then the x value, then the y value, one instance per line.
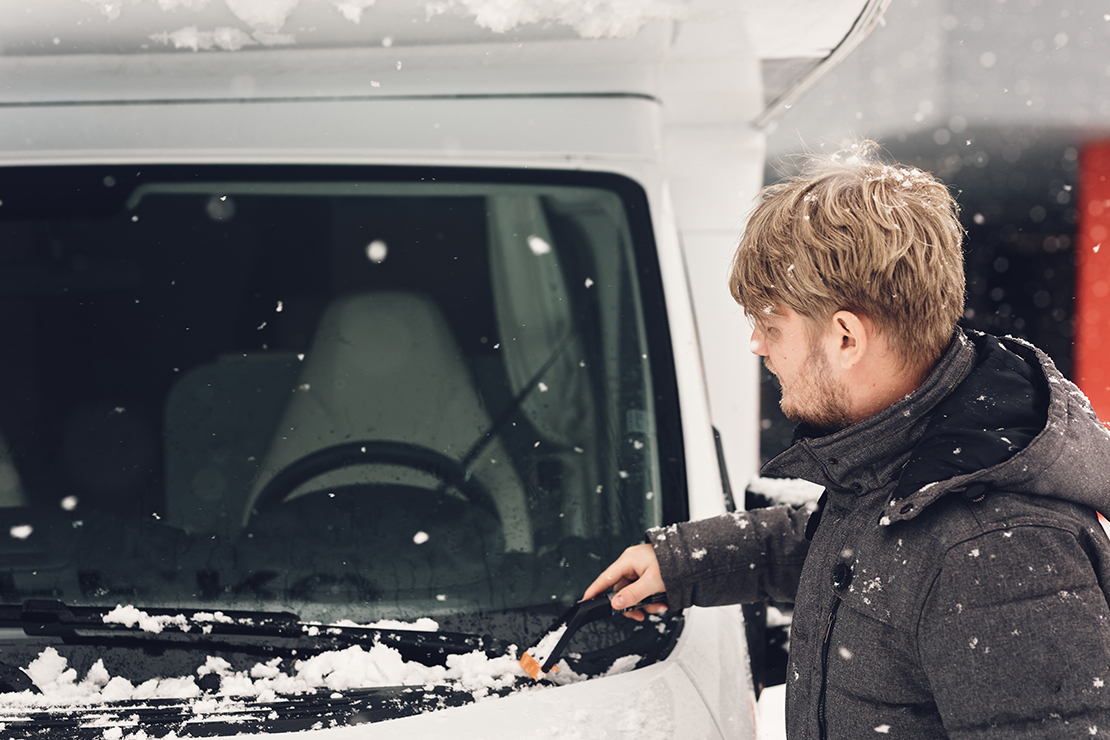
pixel 851 334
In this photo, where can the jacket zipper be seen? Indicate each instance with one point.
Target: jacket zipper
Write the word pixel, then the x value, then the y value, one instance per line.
pixel 822 729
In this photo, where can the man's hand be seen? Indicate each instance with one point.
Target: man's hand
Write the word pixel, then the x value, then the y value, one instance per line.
pixel 635 576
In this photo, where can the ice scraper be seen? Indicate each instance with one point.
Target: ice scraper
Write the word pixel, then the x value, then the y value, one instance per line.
pixel 545 652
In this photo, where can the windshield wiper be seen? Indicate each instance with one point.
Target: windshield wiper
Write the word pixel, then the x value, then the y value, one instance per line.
pixel 47 616
pixel 247 631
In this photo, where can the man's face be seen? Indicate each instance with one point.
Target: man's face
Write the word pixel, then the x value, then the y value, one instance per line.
pixel 811 393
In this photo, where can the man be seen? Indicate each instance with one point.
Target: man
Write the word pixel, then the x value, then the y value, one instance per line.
pixel 953 580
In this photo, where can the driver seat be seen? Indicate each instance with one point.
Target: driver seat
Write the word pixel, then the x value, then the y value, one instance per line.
pixel 385 366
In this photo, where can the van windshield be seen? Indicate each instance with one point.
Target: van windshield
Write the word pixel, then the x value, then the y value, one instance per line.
pixel 346 393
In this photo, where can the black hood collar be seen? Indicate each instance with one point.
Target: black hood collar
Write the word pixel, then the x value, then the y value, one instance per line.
pixel 993 412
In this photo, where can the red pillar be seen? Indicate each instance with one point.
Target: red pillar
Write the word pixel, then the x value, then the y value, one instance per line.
pixel 1092 277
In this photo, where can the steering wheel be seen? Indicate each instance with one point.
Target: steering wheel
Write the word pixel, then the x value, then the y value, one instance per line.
pixel 344 455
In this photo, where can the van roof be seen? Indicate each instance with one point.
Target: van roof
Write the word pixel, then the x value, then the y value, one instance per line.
pixel 70 50
pixel 785 28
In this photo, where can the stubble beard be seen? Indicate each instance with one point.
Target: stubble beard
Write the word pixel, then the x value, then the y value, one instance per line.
pixel 816 399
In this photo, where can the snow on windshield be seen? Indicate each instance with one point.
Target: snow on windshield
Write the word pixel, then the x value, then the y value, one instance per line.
pixel 355 667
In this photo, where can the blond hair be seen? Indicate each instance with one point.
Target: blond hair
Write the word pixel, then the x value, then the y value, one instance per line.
pixel 856 234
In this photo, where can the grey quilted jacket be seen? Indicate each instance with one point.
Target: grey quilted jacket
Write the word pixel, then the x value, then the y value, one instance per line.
pixel 956 579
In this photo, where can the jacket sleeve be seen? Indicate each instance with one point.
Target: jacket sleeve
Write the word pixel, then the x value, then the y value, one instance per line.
pixel 736 558
pixel 1015 638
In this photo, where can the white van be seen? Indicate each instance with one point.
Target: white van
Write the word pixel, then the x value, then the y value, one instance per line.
pixel 346 341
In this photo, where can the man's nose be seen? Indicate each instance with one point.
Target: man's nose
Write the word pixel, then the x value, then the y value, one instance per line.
pixel 758 345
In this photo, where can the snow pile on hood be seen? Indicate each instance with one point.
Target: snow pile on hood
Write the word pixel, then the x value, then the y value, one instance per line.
pixel 356 667
pixel 59 685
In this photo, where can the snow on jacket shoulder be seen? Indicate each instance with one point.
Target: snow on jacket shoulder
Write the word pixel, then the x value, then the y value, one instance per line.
pixel 956 583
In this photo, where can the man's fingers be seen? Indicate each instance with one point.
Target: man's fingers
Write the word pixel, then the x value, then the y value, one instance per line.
pixel 610 578
pixel 627 568
pixel 640 614
pixel 634 576
pixel 635 592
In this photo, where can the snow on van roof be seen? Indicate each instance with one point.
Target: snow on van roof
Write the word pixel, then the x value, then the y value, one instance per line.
pixel 784 29
pixel 52 27
pixel 607 18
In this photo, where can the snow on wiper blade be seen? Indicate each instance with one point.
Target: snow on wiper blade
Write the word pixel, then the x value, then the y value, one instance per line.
pixel 214 673
pixel 42 616
pixel 45 617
